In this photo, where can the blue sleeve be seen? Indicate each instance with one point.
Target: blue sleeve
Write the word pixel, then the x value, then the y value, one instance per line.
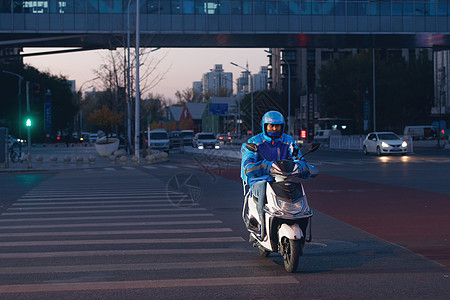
pixel 251 166
pixel 308 170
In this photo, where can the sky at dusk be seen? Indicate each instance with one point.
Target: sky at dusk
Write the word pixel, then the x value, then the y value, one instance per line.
pixel 181 66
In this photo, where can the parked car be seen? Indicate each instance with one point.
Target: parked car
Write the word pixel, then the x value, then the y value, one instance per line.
pixel 421 132
pixel 323 136
pixel 384 143
pixel 175 139
pixel 188 137
pixel 205 140
pixel 159 140
pixel 224 139
pixel 93 137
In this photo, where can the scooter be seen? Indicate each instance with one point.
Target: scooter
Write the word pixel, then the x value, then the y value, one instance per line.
pixel 286 212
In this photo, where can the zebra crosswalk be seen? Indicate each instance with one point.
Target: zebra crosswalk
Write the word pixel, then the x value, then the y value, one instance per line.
pixel 83 232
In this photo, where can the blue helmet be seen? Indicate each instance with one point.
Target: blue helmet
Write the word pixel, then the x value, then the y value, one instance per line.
pixel 272 117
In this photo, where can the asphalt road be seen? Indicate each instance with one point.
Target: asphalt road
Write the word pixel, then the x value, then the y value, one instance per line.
pixel 174 230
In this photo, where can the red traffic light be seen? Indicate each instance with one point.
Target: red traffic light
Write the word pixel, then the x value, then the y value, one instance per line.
pixel 303 134
pixel 36 88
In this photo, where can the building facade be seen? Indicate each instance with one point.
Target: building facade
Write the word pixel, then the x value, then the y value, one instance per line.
pixel 217 82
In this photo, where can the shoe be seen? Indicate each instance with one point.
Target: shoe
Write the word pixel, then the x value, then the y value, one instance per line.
pixel 253 225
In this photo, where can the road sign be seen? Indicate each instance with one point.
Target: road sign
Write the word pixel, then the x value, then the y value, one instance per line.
pixel 220 109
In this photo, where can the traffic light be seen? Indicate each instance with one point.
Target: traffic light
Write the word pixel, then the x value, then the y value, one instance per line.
pixel 36 92
pixel 36 88
pixel 28 122
pixel 303 134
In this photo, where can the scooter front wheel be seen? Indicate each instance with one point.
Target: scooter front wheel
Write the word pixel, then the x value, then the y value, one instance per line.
pixel 263 252
pixel 291 254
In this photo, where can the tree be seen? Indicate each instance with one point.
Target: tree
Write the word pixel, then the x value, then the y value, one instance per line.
pixel 187 95
pixel 113 75
pixel 63 102
pixel 153 109
pixel 105 119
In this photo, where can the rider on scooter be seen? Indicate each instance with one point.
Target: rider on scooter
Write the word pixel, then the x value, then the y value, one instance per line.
pixel 273 145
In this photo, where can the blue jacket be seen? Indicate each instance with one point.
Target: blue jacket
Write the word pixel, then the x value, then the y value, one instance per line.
pixel 255 168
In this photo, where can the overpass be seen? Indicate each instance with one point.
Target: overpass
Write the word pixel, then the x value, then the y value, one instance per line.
pixel 227 23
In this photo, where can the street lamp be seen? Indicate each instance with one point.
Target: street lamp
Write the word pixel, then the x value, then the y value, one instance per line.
pixel 251 87
pixel 19 99
pixel 289 88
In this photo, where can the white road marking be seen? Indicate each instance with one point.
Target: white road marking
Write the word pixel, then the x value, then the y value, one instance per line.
pixel 127 197
pixel 150 167
pixel 52 204
pixel 177 251
pixel 120 224
pixel 107 217
pixel 7 213
pixel 147 284
pixel 231 239
pixel 116 232
pixel 142 266
pixel 169 166
pixel 129 168
pixel 106 206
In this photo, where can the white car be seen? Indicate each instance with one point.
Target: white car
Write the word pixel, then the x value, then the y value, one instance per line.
pixel 204 140
pixel 384 143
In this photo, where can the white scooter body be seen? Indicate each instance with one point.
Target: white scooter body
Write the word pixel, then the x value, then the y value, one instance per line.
pixel 286 212
pixel 292 232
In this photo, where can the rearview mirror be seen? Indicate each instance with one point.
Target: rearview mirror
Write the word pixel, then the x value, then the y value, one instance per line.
pixel 252 147
pixel 313 147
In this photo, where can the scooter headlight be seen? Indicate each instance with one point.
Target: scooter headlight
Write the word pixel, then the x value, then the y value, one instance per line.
pixel 292 207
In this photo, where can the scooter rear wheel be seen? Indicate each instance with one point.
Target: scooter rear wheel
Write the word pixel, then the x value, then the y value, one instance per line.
pixel 291 254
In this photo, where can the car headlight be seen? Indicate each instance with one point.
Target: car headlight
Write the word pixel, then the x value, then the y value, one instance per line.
pixel 404 144
pixel 292 207
pixel 384 144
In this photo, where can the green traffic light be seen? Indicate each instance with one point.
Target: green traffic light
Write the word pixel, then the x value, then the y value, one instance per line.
pixel 28 123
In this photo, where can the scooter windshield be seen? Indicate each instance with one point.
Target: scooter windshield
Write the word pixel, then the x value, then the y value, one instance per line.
pixel 287 190
pixel 285 167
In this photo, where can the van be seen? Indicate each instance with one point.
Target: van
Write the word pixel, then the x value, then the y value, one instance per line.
pixel 423 132
pixel 159 140
pixel 323 136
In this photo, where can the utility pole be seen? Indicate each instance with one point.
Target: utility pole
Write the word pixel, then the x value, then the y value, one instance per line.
pixel 28 125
